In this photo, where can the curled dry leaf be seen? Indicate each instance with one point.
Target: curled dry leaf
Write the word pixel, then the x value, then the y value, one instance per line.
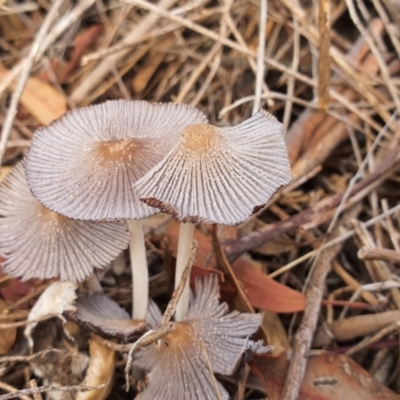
pixel 7 336
pixel 329 376
pixel 100 371
pixel 57 298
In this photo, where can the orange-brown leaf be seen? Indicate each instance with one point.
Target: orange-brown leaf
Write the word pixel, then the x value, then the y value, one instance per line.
pixel 329 376
pixel 266 293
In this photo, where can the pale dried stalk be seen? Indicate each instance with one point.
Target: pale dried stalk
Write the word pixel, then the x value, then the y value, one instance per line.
pixel 260 55
pixel 324 43
pixel 381 62
pixel 104 68
pixel 12 110
pixel 269 61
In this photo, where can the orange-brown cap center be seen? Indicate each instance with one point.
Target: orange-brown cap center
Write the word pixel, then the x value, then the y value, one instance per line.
pixel 200 138
pixel 117 150
pixel 182 335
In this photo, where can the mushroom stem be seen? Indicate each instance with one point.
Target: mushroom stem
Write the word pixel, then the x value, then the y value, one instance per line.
pixel 186 233
pixel 140 274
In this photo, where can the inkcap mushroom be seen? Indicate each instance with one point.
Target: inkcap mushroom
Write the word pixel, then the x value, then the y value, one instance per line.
pixel 84 166
pixel 217 176
pixel 39 243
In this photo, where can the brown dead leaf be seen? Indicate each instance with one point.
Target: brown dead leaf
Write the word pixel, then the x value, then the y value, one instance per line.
pixel 101 371
pixel 266 293
pixel 329 376
pixel 7 336
pixel 42 101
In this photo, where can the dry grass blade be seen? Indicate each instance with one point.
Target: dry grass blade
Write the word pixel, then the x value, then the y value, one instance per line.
pixel 324 65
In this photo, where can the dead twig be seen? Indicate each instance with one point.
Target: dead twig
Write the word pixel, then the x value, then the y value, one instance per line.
pixel 45 389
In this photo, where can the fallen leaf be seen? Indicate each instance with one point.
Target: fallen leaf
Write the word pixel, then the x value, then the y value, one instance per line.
pixel 328 376
pixel 42 101
pixel 7 336
pixel 260 291
pixel 266 293
pixel 101 371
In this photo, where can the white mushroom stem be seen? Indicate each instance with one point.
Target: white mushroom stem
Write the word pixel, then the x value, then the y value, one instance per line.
pixel 140 274
pixel 186 233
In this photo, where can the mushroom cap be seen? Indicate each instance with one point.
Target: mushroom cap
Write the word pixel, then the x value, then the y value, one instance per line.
pixel 104 316
pixel 38 243
pixel 210 336
pixel 219 175
pixel 84 164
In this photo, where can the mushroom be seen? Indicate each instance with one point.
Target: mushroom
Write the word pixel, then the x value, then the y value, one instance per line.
pixel 104 316
pixel 84 165
pixel 210 339
pixel 217 176
pixel 39 243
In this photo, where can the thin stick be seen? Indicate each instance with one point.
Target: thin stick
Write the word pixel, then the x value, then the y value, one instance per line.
pixel 8 388
pixel 45 389
pixel 8 123
pixel 28 358
pixel 170 310
pixel 324 58
pixel 260 56
pixel 376 253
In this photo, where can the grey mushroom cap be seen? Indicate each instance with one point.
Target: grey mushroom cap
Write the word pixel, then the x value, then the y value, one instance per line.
pixel 84 164
pixel 210 340
pixel 38 243
pixel 101 314
pixel 219 175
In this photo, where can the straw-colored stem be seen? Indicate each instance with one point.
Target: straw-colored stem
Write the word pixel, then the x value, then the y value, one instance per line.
pixel 186 232
pixel 140 274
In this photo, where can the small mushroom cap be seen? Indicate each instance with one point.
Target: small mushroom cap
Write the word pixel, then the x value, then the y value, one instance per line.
pixel 84 164
pixel 104 316
pixel 210 336
pixel 38 243
pixel 219 175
